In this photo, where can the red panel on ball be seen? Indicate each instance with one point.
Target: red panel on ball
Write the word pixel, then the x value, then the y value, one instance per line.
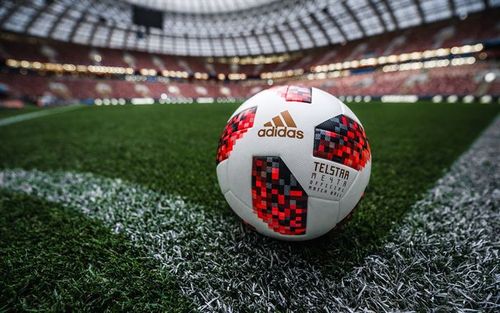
pixel 299 94
pixel 277 197
pixel 343 140
pixel 294 93
pixel 237 126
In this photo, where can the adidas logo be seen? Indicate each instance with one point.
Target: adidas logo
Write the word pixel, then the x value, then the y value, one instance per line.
pixel 281 125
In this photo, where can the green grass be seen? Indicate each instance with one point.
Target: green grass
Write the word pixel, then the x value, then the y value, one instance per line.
pixel 172 148
pixel 4 112
pixel 53 259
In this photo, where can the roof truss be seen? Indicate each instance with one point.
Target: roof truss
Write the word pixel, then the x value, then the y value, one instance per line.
pixel 353 17
pixel 298 21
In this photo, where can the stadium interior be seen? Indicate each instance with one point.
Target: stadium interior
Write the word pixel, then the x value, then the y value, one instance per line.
pixel 55 52
pixel 121 121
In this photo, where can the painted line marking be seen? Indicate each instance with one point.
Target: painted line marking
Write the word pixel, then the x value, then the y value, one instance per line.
pixel 32 115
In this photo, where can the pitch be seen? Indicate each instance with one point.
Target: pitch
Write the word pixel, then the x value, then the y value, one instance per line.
pixel 164 154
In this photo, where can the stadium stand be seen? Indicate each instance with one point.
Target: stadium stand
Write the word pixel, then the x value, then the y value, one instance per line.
pixel 446 57
pixel 443 81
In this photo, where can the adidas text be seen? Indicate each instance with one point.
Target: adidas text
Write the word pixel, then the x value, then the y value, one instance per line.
pixel 281 132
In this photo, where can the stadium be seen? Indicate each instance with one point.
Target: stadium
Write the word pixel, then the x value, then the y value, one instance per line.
pixel 111 115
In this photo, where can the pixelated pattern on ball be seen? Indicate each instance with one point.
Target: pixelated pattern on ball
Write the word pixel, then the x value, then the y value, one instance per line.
pixel 277 197
pixel 298 94
pixel 234 130
pixel 280 90
pixel 343 140
pixel 294 93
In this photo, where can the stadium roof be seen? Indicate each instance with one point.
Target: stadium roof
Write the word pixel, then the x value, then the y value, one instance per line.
pixel 225 27
pixel 200 6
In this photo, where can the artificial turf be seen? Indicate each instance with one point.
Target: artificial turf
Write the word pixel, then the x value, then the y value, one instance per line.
pixel 171 148
pixel 56 260
pixel 7 112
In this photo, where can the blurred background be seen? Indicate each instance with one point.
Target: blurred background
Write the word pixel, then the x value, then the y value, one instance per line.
pixel 57 52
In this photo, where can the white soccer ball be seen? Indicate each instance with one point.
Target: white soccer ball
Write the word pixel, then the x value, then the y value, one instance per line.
pixel 293 162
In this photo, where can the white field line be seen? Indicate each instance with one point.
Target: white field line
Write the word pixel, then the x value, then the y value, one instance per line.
pixel 444 257
pixel 29 116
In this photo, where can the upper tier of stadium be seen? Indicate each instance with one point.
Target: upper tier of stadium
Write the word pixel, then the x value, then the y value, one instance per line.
pixel 220 28
pixel 43 54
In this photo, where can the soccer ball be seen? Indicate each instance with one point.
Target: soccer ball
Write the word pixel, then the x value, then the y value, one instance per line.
pixel 293 162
